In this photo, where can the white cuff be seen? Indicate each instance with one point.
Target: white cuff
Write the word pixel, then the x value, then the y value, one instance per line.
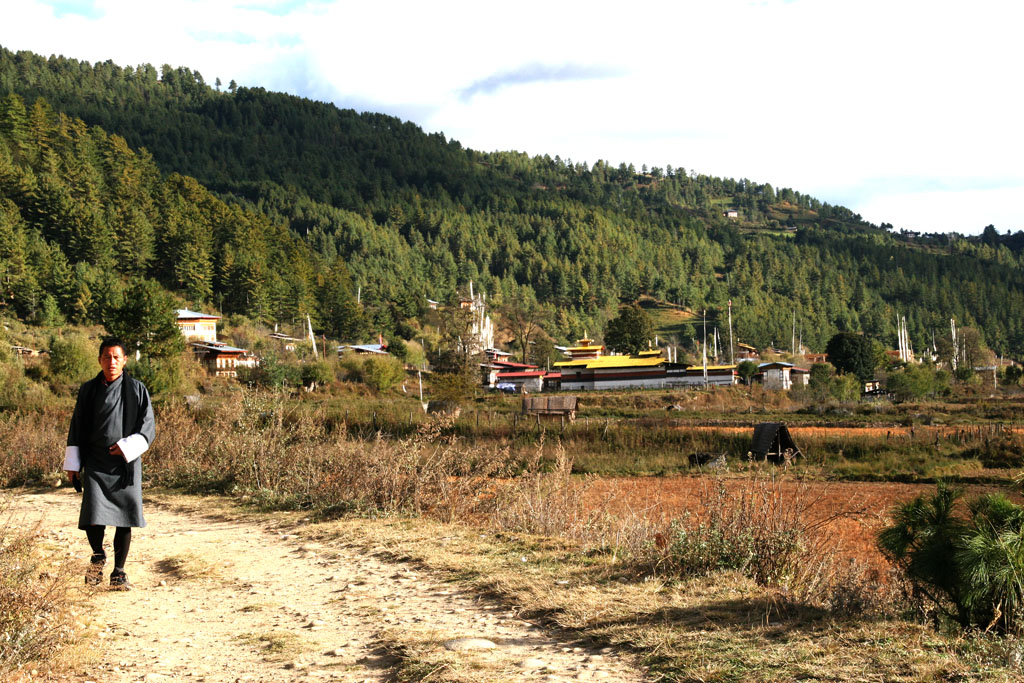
pixel 133 446
pixel 72 460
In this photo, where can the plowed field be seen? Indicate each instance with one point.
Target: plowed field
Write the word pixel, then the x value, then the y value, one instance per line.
pixel 849 513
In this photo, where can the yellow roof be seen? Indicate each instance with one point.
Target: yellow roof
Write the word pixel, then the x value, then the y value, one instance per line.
pixel 711 367
pixel 584 348
pixel 611 362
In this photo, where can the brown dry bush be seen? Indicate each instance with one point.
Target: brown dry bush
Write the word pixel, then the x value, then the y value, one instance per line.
pixel 262 448
pixel 31 444
pixel 779 537
pixel 37 623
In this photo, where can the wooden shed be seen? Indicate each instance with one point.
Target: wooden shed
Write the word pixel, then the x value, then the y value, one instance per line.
pixel 551 405
pixel 772 441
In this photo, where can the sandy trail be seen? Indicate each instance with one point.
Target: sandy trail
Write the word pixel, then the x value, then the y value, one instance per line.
pixel 272 607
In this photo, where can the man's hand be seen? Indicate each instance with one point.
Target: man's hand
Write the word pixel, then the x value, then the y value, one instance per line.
pixel 116 450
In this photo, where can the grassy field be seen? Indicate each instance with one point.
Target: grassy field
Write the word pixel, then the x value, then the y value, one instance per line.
pixel 729 576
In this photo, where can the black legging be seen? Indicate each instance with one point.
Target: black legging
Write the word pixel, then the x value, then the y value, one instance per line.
pixel 122 542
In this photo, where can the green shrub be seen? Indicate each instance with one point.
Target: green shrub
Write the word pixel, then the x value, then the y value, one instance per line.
pixel 272 373
pixel 72 359
pixel 383 372
pixel 318 372
pixel 351 364
pixel 845 387
pixel 162 376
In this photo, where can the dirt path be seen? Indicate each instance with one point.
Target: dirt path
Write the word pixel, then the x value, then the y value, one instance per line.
pixel 226 600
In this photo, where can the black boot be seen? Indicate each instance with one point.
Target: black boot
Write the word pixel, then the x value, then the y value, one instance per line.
pixel 94 574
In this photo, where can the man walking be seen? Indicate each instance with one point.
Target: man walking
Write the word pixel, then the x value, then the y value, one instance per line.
pixel 111 427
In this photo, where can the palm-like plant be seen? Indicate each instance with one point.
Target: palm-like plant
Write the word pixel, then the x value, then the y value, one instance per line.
pixel 922 542
pixel 990 558
pixel 969 566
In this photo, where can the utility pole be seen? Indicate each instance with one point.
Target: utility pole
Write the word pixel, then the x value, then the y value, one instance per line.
pixel 704 354
pixel 732 359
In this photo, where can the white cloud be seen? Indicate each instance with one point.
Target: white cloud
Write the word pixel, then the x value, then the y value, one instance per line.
pixel 818 96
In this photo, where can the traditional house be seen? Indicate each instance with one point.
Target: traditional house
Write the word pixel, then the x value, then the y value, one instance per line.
pixel 778 375
pixel 364 349
pixel 23 351
pixel 197 326
pixel 731 213
pixel 746 352
pixel 522 381
pixel 585 348
pixel 492 369
pixel 588 370
pixel 220 359
pixel 288 342
pixel 496 354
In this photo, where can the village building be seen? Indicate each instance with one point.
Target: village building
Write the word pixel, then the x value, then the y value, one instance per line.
pixel 379 349
pixel 746 352
pixel 24 351
pixel 731 213
pixel 288 342
pixel 520 381
pixel 780 376
pixel 221 359
pixel 197 326
pixel 588 370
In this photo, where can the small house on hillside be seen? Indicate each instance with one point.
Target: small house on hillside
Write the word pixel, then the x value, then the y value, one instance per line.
pixel 288 342
pixel 522 381
pixel 778 375
pixel 23 351
pixel 746 352
pixel 364 349
pixel 731 213
pixel 221 359
pixel 197 326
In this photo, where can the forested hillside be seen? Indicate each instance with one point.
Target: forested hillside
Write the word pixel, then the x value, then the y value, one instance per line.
pixel 416 215
pixel 84 219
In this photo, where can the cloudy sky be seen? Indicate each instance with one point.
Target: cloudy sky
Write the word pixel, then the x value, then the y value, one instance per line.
pixel 906 112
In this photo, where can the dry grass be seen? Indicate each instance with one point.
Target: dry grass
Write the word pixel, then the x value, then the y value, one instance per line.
pixel 187 567
pixel 722 627
pixel 420 655
pixel 767 595
pixel 30 442
pixel 38 625
pixel 275 645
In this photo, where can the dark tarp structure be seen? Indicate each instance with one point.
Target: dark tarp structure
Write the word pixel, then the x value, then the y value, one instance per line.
pixel 773 441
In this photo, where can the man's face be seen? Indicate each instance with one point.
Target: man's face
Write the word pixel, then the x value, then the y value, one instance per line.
pixel 112 360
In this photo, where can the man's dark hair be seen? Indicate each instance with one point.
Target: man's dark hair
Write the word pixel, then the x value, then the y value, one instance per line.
pixel 109 342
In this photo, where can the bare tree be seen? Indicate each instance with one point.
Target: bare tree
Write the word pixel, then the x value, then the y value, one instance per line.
pixel 523 320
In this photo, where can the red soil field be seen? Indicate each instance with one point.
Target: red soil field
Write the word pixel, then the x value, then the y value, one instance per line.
pixel 850 513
